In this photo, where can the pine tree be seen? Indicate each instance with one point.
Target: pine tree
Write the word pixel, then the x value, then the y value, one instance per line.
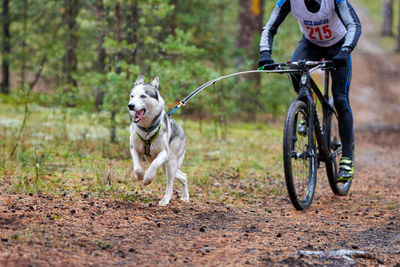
pixel 6 48
pixel 387 18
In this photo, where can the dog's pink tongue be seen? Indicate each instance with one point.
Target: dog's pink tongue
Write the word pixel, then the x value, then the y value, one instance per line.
pixel 140 114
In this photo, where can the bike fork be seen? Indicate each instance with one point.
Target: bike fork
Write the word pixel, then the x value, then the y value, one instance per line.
pixel 311 134
pixel 305 96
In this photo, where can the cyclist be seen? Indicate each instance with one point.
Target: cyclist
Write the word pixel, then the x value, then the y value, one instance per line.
pixel 331 30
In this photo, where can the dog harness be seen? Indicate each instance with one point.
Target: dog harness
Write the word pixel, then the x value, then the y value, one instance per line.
pixel 147 142
pixel 147 130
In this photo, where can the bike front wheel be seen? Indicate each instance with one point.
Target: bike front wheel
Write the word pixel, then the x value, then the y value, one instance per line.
pixel 335 149
pixel 299 156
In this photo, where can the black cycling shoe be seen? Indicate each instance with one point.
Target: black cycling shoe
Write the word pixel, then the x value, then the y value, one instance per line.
pixel 346 170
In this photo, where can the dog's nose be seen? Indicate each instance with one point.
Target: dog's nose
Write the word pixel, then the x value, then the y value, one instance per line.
pixel 131 106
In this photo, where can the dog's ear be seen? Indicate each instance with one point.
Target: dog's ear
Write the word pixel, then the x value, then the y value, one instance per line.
pixel 139 80
pixel 155 83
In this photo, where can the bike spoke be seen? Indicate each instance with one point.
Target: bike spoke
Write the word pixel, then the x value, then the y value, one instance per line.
pixel 301 162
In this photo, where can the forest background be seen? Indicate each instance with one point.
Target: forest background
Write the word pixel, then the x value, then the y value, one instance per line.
pixel 87 53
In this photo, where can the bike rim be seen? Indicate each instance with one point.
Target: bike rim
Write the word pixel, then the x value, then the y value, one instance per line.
pixel 303 165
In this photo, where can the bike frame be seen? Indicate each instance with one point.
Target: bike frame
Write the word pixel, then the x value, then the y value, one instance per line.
pixel 307 88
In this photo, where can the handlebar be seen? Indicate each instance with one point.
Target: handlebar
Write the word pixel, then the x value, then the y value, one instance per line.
pixel 301 65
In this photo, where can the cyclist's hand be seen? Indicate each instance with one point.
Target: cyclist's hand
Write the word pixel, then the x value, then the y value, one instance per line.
pixel 341 58
pixel 265 58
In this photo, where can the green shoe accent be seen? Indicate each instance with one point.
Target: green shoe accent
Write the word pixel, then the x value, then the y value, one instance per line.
pixel 344 179
pixel 346 170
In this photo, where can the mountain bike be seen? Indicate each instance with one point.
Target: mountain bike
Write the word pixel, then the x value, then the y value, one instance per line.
pixel 307 142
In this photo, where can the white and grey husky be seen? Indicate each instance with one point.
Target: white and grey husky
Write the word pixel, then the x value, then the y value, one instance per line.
pixel 159 138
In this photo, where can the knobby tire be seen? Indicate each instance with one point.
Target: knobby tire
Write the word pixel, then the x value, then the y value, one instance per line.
pixel 300 168
pixel 335 147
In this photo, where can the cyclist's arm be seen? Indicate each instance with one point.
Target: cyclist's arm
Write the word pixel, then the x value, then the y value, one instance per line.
pixel 350 20
pixel 278 15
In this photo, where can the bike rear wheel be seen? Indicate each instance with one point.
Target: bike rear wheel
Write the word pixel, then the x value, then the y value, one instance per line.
pixel 335 148
pixel 299 156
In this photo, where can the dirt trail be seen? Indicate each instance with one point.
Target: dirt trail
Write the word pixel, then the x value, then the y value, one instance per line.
pixel 364 225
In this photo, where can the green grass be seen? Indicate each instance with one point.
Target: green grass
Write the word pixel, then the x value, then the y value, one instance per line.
pixel 67 152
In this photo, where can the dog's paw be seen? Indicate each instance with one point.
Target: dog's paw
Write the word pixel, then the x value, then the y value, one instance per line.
pixel 139 174
pixel 147 180
pixel 185 198
pixel 164 201
pixel 148 177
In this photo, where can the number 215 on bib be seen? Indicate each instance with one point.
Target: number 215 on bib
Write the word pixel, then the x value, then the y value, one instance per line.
pixel 319 32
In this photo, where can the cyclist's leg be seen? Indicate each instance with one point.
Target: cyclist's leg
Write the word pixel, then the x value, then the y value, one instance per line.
pixel 305 50
pixel 341 78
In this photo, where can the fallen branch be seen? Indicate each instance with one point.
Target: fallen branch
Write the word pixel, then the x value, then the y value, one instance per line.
pixel 344 254
pixel 38 73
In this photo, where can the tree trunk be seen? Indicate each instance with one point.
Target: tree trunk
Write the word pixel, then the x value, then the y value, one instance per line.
pixel 250 22
pixel 387 18
pixel 117 10
pixel 117 56
pixel 71 61
pixel 113 128
pixel 398 32
pixel 101 52
pixel 173 23
pixel 102 33
pixel 23 58
pixel 6 48
pixel 133 39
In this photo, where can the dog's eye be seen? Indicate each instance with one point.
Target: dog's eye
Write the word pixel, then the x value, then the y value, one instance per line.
pixel 142 96
pixel 131 96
